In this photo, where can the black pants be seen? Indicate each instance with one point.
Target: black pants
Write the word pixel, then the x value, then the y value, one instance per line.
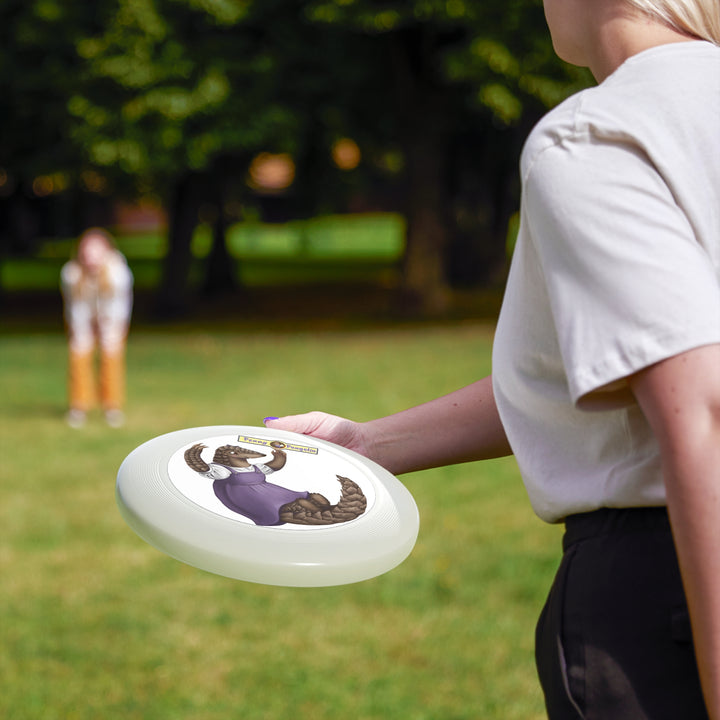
pixel 613 641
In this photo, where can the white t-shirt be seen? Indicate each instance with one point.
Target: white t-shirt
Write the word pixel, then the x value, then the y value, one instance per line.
pixel 97 306
pixel 617 266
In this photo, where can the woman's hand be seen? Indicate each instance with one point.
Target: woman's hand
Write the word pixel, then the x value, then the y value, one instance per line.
pixel 323 426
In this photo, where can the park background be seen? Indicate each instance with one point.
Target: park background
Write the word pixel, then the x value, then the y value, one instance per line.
pixel 318 201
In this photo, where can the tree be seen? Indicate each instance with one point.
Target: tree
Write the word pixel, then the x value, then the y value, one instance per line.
pixel 173 91
pixel 181 95
pixel 38 72
pixel 175 97
pixel 460 73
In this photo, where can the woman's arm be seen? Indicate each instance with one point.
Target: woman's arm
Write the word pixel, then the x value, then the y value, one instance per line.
pixel 460 427
pixel 681 400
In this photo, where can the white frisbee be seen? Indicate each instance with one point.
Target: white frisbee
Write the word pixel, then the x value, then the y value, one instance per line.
pixel 267 506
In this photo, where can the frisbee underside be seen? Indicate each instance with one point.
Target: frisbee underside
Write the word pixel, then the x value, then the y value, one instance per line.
pixel 177 509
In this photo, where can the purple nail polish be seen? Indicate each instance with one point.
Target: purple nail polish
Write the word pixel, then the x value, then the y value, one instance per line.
pixel 270 417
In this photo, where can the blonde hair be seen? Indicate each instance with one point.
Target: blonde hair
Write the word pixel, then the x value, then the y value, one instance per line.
pixel 699 18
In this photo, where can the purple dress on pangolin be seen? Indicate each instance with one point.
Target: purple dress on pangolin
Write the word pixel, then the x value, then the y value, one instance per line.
pixel 251 495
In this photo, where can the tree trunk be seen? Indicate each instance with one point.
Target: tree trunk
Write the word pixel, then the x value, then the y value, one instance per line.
pixel 174 296
pixel 423 134
pixel 424 273
pixel 221 268
pixel 485 194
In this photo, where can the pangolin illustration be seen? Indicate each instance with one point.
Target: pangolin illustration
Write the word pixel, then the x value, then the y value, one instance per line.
pixel 244 489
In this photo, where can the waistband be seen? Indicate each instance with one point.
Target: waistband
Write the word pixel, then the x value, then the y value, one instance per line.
pixel 607 521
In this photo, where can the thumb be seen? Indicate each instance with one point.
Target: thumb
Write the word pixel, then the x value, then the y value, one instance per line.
pixel 303 424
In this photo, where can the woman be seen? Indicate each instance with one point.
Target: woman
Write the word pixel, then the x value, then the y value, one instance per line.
pixel 97 294
pixel 606 365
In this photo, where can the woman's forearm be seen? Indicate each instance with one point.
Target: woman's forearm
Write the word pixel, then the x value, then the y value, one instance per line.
pixel 681 400
pixel 460 427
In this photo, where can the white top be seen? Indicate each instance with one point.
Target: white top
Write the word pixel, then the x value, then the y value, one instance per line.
pixel 616 267
pixel 97 306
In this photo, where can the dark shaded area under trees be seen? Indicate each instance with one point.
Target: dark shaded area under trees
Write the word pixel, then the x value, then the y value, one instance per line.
pixel 175 98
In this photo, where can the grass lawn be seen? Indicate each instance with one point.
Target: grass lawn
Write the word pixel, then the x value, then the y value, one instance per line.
pixel 342 248
pixel 94 623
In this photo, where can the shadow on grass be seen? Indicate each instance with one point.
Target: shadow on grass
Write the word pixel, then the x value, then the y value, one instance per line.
pixel 298 308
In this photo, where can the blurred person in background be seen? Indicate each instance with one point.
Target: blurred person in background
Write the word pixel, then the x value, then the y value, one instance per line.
pixel 97 294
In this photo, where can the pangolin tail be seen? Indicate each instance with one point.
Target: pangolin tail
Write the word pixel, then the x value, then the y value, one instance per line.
pixel 352 504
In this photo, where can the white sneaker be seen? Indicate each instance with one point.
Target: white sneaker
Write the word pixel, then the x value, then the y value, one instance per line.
pixel 75 418
pixel 115 418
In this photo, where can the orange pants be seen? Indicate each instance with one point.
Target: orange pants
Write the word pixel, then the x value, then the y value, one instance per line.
pixel 83 390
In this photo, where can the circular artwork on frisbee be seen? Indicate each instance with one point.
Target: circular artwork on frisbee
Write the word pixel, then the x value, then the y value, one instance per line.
pixel 267 506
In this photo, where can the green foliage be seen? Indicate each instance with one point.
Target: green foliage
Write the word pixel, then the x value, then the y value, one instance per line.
pixel 498 51
pixel 148 88
pixel 38 70
pixel 98 624
pixel 176 70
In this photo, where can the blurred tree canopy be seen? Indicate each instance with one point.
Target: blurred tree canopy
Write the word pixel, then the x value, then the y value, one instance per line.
pixel 175 98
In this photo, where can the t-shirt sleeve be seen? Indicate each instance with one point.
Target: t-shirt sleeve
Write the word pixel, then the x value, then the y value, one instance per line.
pixel 628 281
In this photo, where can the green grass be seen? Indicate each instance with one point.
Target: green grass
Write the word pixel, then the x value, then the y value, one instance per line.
pixel 343 248
pixel 94 623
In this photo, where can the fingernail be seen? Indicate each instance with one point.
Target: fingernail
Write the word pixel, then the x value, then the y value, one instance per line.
pixel 270 417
